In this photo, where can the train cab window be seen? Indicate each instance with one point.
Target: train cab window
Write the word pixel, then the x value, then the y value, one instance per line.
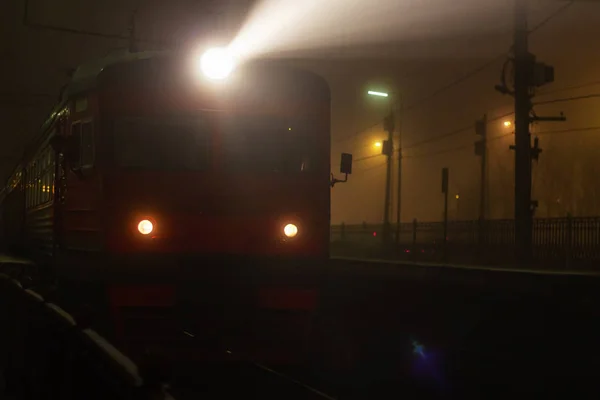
pixel 82 149
pixel 268 144
pixel 169 143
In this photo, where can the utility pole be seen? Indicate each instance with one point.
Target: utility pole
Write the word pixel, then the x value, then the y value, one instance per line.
pixel 481 150
pixel 528 74
pixel 445 187
pixel 523 72
pixel 388 150
pixel 399 189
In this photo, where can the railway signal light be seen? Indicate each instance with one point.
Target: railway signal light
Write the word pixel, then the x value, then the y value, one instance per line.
pixel 345 168
pixel 346 164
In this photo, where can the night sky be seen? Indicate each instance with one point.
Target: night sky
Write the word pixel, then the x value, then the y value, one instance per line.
pixel 414 49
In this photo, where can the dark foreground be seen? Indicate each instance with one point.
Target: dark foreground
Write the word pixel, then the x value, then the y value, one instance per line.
pixel 382 330
pixel 438 332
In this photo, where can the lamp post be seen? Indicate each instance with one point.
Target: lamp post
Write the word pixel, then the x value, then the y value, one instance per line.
pixel 388 150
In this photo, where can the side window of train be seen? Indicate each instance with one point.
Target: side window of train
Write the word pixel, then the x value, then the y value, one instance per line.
pixel 82 152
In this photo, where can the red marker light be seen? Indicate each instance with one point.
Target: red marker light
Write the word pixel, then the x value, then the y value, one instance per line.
pixel 374 233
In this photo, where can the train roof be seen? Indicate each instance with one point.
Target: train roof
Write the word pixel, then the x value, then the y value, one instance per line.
pixel 86 75
pixel 86 78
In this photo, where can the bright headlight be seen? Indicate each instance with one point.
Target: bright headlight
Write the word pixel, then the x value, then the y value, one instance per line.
pixel 145 227
pixel 290 230
pixel 217 63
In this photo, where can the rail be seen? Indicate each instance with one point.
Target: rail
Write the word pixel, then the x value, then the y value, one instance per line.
pixel 44 353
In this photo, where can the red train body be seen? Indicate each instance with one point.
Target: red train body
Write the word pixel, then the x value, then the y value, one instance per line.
pixel 218 168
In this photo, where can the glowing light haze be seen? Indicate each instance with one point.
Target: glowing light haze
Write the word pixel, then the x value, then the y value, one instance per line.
pixel 275 27
pixel 217 63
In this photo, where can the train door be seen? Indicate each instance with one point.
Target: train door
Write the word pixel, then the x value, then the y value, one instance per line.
pixel 80 211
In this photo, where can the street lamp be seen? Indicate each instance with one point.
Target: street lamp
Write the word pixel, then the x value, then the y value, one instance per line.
pixel 388 150
pixel 377 144
pixel 457 197
pixel 380 94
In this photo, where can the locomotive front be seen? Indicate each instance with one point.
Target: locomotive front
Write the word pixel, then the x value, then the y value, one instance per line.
pixel 213 168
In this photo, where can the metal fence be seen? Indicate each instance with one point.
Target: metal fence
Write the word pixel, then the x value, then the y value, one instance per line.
pixel 45 354
pixel 557 242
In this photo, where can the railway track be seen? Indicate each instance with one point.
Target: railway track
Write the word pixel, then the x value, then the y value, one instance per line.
pixel 481 328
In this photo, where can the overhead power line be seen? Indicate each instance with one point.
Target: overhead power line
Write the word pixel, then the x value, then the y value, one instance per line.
pixel 498 137
pixel 357 133
pixel 572 130
pixel 565 99
pixel 464 78
pixel 452 133
pixel 456 82
pixel 434 94
pixel 568 88
pixel 367 157
pixel 435 153
pixel 439 137
pixel 362 171
pixel 551 17
pixel 35 25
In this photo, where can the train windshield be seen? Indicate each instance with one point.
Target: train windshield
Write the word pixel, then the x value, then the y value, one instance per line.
pixel 161 144
pixel 267 144
pixel 246 143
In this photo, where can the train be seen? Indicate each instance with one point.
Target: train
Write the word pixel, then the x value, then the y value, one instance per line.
pixel 153 179
pixel 143 159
